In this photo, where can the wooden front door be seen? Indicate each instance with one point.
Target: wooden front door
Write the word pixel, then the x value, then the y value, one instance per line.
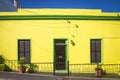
pixel 60 54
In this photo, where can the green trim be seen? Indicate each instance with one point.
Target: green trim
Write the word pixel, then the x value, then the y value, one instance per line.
pixel 58 17
pixel 54 55
pixel 102 50
pixel 67 54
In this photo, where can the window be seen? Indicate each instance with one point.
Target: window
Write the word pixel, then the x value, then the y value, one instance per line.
pixel 95 48
pixel 24 50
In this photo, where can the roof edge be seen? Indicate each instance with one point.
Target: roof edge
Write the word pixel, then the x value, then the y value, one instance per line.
pixel 58 17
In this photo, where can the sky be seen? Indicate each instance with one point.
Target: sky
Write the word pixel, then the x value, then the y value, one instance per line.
pixel 104 5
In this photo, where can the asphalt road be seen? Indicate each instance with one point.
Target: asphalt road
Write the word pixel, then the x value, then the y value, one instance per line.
pixel 27 76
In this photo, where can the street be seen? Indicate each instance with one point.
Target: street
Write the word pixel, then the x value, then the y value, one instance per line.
pixel 28 76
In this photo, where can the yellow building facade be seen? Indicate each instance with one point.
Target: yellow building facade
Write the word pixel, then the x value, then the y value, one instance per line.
pixel 76 35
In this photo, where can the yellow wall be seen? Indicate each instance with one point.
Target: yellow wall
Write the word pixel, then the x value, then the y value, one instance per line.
pixel 43 32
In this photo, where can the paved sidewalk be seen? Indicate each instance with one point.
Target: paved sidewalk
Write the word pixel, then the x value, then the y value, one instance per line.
pixel 27 76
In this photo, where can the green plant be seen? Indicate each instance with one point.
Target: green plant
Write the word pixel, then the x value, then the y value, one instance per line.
pixel 98 67
pixel 7 68
pixel 31 68
pixel 2 60
pixel 2 67
pixel 99 70
pixel 22 67
pixel 22 61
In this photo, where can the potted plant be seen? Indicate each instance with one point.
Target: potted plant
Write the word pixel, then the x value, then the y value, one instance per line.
pixel 98 70
pixel 31 68
pixel 22 67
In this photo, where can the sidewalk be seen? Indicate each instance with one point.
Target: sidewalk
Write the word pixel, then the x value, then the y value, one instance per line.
pixel 27 76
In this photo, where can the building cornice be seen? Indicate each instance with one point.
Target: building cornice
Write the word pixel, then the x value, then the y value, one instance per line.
pixel 58 17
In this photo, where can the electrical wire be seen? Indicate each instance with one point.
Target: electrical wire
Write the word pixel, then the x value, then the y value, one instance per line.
pixel 74 31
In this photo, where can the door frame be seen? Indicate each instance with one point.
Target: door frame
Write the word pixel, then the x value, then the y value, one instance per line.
pixel 54 54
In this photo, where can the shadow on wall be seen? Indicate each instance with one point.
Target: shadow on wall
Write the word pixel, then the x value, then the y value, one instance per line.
pixel 2 60
pixel 3 66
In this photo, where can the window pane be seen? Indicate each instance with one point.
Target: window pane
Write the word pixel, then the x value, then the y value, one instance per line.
pixel 21 46
pixel 21 55
pixel 27 46
pixel 93 57
pixel 98 57
pixel 93 45
pixel 60 41
pixel 27 56
pixel 98 45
